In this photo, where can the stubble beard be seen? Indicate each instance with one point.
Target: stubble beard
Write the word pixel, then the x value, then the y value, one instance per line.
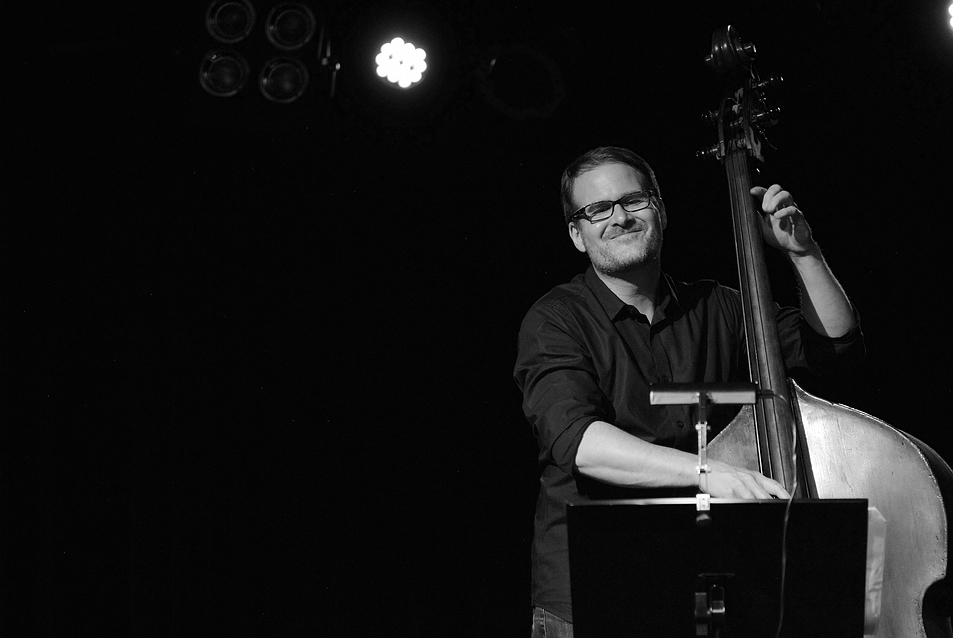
pixel 615 261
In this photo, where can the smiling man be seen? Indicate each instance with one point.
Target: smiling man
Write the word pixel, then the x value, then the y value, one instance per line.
pixel 621 230
pixel 590 349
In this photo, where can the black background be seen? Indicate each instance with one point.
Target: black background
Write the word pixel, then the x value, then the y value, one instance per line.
pixel 265 384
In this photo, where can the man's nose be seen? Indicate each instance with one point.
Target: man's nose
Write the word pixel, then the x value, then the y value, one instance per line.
pixel 619 214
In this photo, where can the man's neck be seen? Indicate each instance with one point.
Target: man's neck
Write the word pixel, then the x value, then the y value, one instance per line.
pixel 636 288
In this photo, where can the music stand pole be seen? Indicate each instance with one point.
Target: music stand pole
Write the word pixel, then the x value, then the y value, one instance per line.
pixel 703 394
pixel 710 609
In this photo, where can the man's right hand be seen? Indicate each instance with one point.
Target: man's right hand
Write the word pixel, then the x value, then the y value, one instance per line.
pixel 728 481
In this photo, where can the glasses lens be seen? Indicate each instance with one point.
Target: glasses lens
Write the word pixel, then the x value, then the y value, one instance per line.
pixel 598 211
pixel 636 201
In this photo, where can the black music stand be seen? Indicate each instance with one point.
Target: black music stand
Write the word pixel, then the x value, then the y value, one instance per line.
pixel 636 566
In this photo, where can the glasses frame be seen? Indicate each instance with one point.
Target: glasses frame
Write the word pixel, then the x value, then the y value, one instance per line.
pixel 652 199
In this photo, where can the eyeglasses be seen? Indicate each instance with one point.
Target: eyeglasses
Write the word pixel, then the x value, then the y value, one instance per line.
pixel 600 211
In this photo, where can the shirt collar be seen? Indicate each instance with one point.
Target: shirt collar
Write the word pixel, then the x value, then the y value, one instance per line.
pixel 617 308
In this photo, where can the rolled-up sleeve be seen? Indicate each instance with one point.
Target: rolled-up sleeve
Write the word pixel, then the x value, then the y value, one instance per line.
pixel 805 348
pixel 561 394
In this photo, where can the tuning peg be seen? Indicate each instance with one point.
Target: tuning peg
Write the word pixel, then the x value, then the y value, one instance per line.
pixel 713 151
pixel 767 118
pixel 774 80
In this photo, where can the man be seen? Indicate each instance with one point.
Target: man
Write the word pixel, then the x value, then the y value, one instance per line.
pixel 590 349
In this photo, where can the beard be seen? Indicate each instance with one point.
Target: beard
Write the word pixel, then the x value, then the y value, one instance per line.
pixel 627 254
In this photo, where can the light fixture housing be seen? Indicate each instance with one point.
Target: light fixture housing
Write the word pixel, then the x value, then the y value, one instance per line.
pixel 290 26
pixel 223 73
pixel 283 79
pixel 230 21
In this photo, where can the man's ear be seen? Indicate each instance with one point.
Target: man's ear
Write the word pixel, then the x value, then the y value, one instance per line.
pixel 662 216
pixel 576 237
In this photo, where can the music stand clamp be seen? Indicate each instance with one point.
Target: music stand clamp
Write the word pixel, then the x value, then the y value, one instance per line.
pixel 701 394
pixel 710 604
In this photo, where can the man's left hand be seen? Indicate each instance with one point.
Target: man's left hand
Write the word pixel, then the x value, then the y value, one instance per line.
pixel 783 224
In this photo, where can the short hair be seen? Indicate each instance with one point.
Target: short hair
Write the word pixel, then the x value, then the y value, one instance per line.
pixel 594 159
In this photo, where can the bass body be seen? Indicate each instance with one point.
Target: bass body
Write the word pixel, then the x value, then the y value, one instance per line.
pixel 850 454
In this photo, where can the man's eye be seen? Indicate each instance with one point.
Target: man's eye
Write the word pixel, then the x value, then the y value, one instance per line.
pixel 597 208
pixel 634 198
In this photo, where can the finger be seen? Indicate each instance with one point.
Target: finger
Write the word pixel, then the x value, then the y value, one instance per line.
pixel 774 199
pixel 787 221
pixel 782 202
pixel 756 489
pixel 789 210
pixel 763 195
pixel 775 489
pixel 762 487
pixel 761 190
pixel 772 192
pixel 743 484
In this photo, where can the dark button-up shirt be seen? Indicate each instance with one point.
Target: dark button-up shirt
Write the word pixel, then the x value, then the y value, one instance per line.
pixel 585 355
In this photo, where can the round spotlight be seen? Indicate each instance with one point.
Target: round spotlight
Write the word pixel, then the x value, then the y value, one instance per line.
pixel 401 63
pixel 283 79
pixel 290 26
pixel 229 21
pixel 223 73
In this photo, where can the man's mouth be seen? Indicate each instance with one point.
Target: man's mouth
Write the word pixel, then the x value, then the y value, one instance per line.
pixel 625 233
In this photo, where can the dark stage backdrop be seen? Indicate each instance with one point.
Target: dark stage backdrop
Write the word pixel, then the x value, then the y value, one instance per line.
pixel 267 381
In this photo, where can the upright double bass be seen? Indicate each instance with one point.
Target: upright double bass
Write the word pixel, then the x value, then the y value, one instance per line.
pixel 815 448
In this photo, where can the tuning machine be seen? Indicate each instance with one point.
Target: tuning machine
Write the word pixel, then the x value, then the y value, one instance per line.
pixel 774 80
pixel 715 151
pixel 766 118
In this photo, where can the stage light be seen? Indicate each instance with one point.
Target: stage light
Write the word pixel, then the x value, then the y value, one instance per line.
pixel 290 26
pixel 950 9
pixel 229 21
pixel 223 73
pixel 283 79
pixel 401 63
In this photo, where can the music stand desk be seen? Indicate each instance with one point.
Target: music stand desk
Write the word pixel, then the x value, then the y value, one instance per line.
pixel 635 566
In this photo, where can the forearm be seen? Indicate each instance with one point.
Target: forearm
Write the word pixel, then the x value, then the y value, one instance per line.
pixel 611 455
pixel 823 301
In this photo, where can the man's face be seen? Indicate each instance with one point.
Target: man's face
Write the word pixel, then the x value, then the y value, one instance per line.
pixel 625 241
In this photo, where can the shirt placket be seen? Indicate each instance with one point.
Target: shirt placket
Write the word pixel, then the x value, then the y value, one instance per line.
pixel 659 335
pixel 654 367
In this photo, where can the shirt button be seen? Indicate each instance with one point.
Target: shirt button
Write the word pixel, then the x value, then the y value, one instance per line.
pixel 680 424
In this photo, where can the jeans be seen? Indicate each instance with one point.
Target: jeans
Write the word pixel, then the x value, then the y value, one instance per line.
pixel 546 625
